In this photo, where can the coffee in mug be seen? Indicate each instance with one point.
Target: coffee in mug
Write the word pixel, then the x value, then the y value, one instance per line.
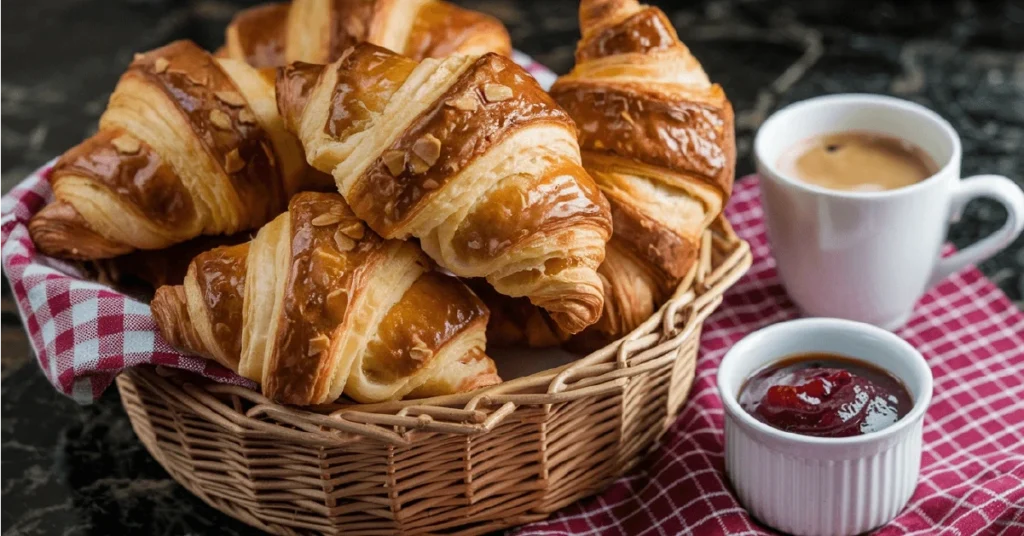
pixel 857 161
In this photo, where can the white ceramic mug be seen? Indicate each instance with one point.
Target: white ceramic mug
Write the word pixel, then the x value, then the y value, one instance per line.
pixel 869 256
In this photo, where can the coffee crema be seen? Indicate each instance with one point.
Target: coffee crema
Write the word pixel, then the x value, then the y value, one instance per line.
pixel 857 161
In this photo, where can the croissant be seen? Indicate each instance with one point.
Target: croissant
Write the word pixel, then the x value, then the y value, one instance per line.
pixel 189 145
pixel 468 155
pixel 316 306
pixel 658 138
pixel 318 31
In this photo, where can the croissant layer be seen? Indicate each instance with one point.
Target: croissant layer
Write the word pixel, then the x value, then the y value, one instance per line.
pixel 317 306
pixel 319 31
pixel 470 156
pixel 188 145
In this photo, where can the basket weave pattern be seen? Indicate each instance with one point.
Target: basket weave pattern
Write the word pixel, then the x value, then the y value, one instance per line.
pixel 465 464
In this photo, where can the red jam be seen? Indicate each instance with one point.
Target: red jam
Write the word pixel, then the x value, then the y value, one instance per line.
pixel 825 395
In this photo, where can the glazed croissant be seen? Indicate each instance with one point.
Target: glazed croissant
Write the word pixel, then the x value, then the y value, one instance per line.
pixel 188 145
pixel 657 136
pixel 316 306
pixel 318 31
pixel 468 155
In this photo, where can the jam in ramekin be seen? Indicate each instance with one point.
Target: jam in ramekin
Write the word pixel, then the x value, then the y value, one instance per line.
pixel 825 395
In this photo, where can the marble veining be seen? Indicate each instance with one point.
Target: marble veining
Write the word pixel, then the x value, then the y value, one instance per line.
pixel 80 470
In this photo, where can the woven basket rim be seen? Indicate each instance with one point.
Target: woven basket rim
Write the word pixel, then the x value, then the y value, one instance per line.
pixel 724 258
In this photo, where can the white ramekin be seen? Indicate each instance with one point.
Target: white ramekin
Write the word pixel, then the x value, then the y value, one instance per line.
pixel 813 485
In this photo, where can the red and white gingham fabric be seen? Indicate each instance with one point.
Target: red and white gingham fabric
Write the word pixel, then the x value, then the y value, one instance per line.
pixel 972 471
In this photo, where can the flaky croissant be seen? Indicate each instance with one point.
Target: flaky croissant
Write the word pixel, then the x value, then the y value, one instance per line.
pixel 316 306
pixel 658 138
pixel 468 155
pixel 318 31
pixel 188 145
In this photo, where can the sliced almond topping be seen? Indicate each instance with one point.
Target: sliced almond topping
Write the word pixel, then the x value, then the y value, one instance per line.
pixel 325 219
pixel 245 117
pixel 231 98
pixel 430 184
pixel 126 144
pixel 417 165
pixel 419 350
pixel 343 241
pixel 233 161
pixel 625 115
pixel 138 56
pixel 353 229
pixel 395 161
pixel 160 65
pixel 199 80
pixel 497 92
pixel 465 103
pixel 428 148
pixel 220 119
pixel 318 344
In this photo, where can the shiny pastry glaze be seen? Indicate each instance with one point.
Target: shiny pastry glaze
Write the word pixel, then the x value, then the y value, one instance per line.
pixel 191 81
pixel 141 179
pixel 384 200
pixel 58 230
pixel 660 130
pixel 441 29
pixel 367 78
pixel 350 24
pixel 260 32
pixel 220 274
pixel 318 288
pixel 651 241
pixel 435 309
pixel 563 197
pixel 646 31
pixel 292 87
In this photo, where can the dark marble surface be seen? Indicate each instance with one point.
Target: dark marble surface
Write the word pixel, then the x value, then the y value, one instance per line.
pixel 79 470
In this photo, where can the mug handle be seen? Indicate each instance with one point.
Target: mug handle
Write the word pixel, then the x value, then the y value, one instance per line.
pixel 994 187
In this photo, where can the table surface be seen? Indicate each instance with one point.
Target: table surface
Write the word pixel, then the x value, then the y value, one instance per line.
pixel 80 470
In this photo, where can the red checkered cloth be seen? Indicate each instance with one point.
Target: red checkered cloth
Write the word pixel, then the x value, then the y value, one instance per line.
pixel 972 470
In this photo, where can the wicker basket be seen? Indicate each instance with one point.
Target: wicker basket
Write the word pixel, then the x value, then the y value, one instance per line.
pixel 465 464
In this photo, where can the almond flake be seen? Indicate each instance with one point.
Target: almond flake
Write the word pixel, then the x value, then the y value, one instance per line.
pixel 231 98
pixel 343 242
pixel 353 229
pixel 138 56
pixel 395 161
pixel 428 148
pixel 419 350
pixel 465 103
pixel 233 161
pixel 220 119
pixel 497 92
pixel 625 115
pixel 430 184
pixel 160 65
pixel 337 208
pixel 417 165
pixel 246 118
pixel 126 144
pixel 325 219
pixel 318 344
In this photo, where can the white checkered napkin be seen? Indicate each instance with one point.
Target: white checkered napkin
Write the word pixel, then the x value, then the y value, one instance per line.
pixel 83 333
pixel 972 468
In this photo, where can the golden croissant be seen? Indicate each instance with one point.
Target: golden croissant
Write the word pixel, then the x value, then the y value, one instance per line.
pixel 468 155
pixel 316 306
pixel 658 138
pixel 188 145
pixel 318 31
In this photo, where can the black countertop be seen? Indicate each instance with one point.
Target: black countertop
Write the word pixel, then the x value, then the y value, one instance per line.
pixel 80 470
